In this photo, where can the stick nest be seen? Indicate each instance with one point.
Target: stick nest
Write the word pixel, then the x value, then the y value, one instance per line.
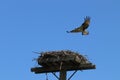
pixel 66 57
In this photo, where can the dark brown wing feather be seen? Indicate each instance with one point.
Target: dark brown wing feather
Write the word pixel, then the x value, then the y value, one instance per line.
pixel 86 23
pixel 79 29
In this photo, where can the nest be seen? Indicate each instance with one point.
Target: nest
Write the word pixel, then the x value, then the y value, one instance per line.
pixel 66 57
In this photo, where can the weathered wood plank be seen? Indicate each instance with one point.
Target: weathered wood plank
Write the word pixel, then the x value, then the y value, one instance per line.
pixel 67 68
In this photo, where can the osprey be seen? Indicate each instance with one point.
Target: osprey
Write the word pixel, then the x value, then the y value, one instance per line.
pixel 83 27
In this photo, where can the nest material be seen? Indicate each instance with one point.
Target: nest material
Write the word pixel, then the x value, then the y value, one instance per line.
pixel 66 57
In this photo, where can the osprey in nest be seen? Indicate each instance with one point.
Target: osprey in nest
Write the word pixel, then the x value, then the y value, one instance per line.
pixel 83 27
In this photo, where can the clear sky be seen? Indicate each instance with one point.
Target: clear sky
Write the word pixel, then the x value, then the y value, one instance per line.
pixel 41 25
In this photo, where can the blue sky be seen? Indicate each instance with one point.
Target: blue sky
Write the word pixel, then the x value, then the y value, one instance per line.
pixel 41 25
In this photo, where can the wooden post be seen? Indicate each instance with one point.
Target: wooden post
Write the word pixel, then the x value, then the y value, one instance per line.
pixel 63 74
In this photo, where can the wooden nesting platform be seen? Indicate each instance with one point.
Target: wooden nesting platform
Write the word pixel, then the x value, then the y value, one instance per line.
pixel 55 61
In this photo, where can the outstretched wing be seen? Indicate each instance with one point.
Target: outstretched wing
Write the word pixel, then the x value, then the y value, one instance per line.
pixel 82 27
pixel 86 23
pixel 79 29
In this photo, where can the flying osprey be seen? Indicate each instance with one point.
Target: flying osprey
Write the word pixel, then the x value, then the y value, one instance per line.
pixel 83 27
